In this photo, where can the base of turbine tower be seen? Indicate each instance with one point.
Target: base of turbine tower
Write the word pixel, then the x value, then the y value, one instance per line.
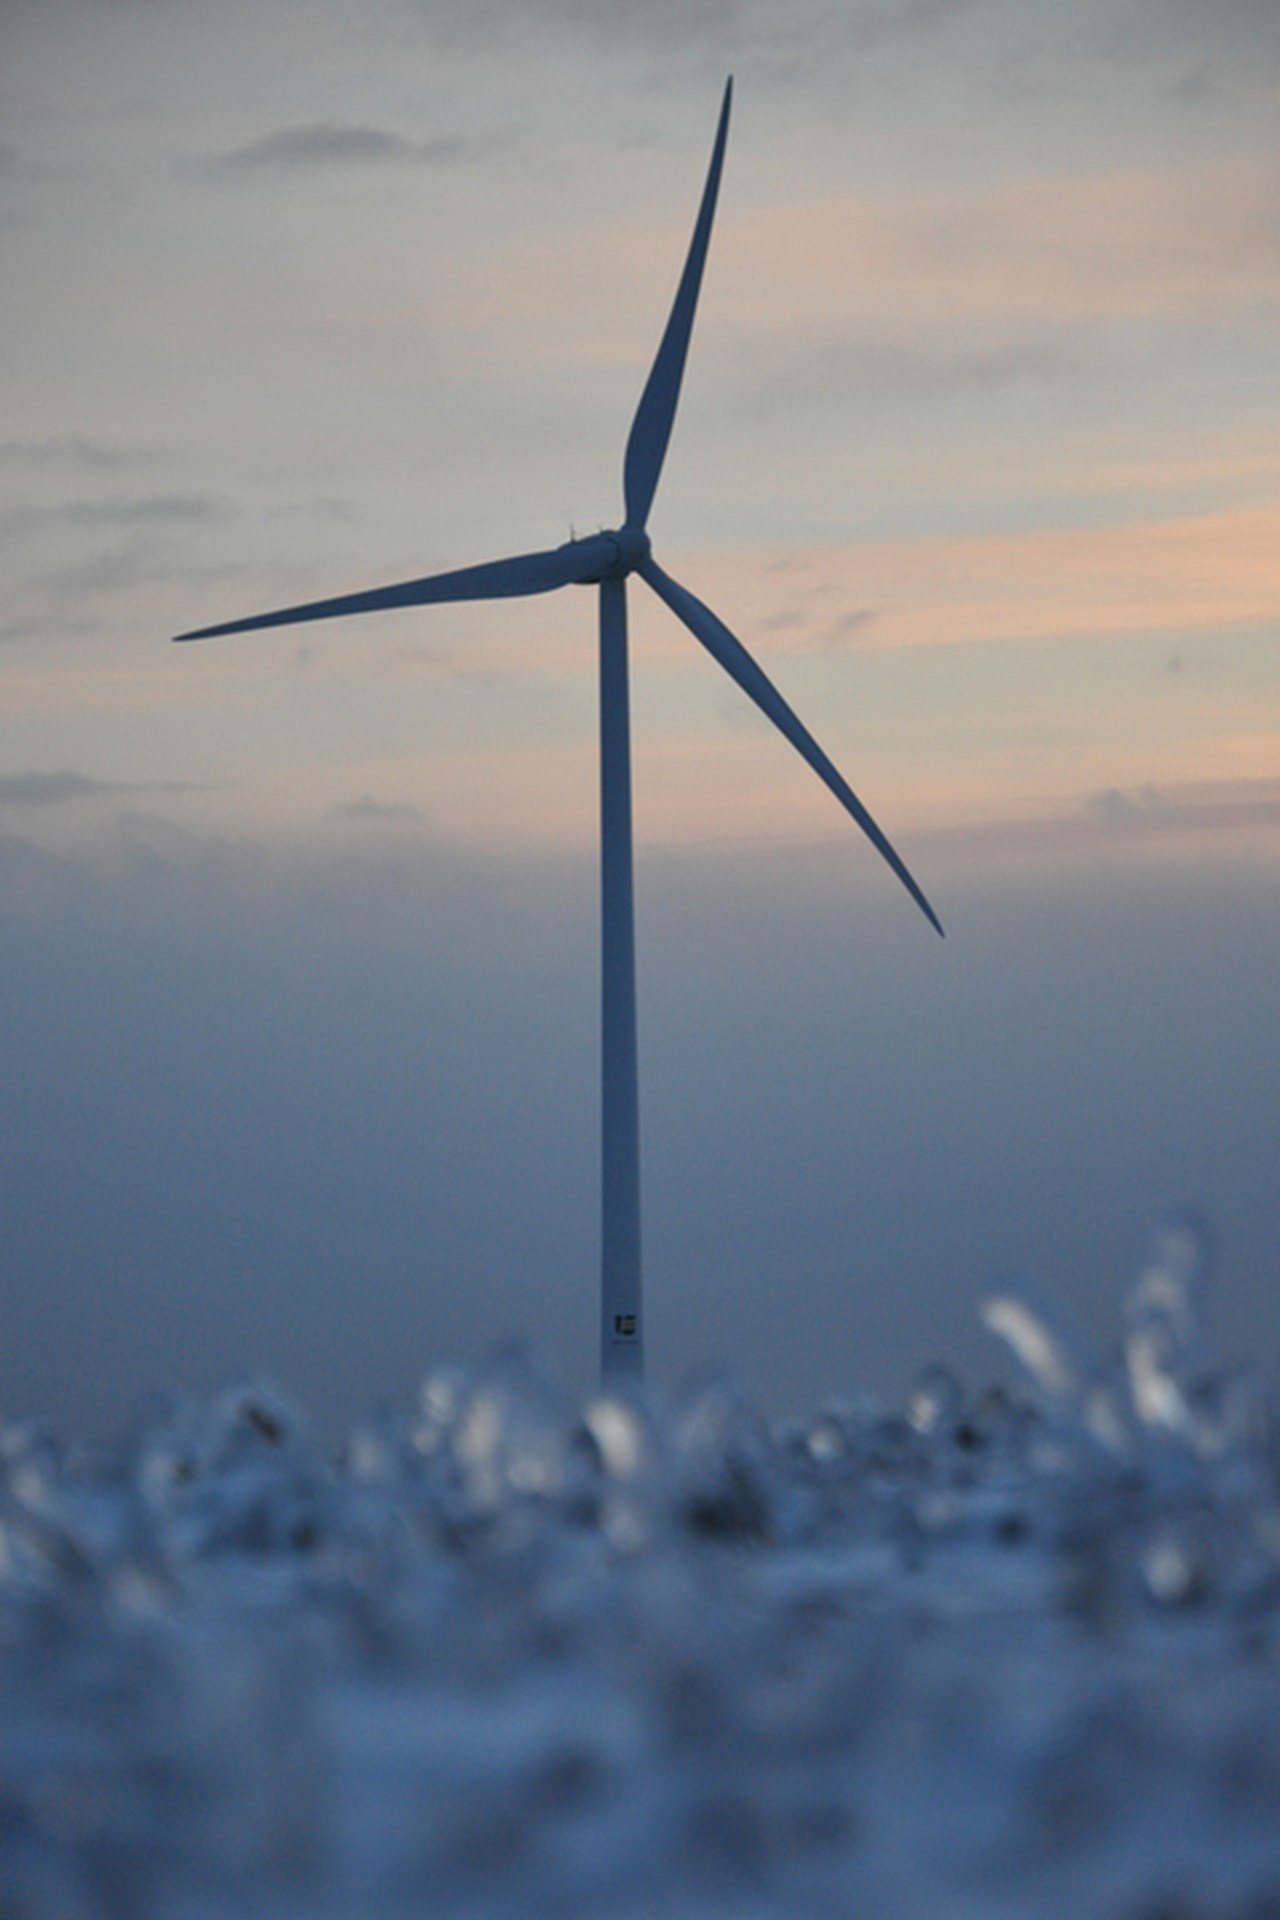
pixel 621 1351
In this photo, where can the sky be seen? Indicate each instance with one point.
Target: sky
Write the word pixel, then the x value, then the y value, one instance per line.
pixel 978 453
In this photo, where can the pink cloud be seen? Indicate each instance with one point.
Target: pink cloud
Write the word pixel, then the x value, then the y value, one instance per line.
pixel 1213 570
pixel 1094 248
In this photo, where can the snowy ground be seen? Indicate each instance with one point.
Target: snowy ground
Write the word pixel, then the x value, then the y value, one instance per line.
pixel 1010 1656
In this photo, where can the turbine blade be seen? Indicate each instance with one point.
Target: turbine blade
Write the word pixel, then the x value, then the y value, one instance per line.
pixel 579 560
pixel 738 664
pixel 651 428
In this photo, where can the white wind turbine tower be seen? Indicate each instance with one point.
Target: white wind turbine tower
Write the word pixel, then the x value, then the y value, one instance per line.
pixel 605 560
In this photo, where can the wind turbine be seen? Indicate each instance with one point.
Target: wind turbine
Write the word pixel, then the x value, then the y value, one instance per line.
pixel 605 560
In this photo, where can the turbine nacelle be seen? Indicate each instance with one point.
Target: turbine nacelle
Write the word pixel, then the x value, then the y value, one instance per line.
pixel 608 555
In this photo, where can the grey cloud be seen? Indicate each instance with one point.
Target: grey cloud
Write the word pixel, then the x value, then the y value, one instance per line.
pixel 938 366
pixel 731 26
pixel 784 621
pixel 466 21
pixel 1206 808
pixel 1222 28
pixel 297 149
pixel 849 628
pixel 75 449
pixel 141 511
pixel 934 364
pixel 1125 809
pixel 844 630
pixel 379 812
pixel 22 791
pixel 1008 47
pixel 1209 804
pixel 1191 51
pixel 1196 82
pixel 117 569
pixel 144 511
pixel 1002 46
pixel 48 626
pixel 144 528
pixel 869 27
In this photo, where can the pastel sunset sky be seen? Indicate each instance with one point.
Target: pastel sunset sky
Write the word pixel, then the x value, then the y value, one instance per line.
pixel 978 453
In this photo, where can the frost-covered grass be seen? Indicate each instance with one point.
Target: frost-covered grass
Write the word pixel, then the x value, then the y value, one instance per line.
pixel 994 1656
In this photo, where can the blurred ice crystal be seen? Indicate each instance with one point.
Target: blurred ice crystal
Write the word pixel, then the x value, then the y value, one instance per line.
pixel 1164 1313
pixel 1011 1655
pixel 936 1400
pixel 1039 1333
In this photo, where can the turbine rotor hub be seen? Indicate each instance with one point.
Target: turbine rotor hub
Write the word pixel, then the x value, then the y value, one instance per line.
pixel 632 546
pixel 608 555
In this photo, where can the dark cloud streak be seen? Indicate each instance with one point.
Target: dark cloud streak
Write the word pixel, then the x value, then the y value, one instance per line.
pixel 733 26
pixel 74 449
pixel 21 791
pixel 142 511
pixel 1217 812
pixel 82 547
pixel 376 812
pixel 324 144
pixel 1007 49
pixel 850 629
